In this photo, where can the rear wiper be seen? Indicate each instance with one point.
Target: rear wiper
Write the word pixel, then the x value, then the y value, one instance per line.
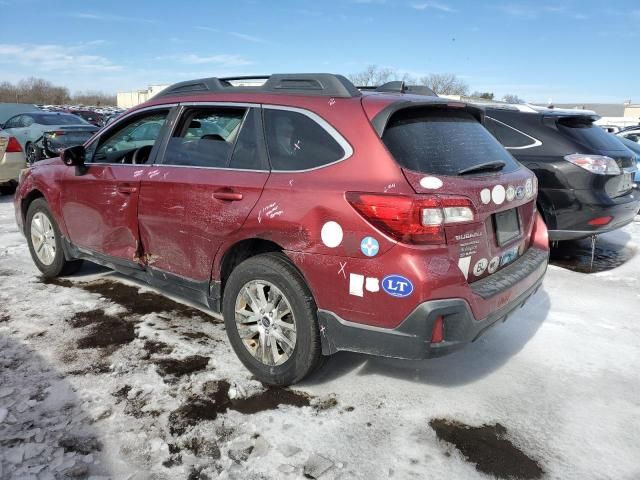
pixel 497 165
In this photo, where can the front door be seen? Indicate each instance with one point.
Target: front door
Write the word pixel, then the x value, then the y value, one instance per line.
pixel 100 208
pixel 210 177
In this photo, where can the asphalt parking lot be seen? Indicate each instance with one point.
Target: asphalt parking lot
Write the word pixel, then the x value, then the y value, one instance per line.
pixel 101 377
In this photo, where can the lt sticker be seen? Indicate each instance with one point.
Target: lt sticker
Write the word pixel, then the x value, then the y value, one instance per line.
pixel 480 267
pixel 331 234
pixel 494 264
pixel 369 246
pixel 397 286
pixel 431 183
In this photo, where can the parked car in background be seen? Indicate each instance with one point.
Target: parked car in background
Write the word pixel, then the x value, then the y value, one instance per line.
pixel 635 148
pixel 585 174
pixel 12 161
pixel 630 133
pixel 90 116
pixel 46 134
pixel 314 217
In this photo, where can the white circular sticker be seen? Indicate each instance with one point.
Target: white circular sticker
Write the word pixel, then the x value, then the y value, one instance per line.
pixel 511 193
pixel 485 195
pixel 331 234
pixel 480 267
pixel 431 183
pixel 529 187
pixel 498 194
pixel 494 264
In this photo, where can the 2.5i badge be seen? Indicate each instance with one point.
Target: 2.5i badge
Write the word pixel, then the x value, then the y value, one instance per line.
pixel 397 286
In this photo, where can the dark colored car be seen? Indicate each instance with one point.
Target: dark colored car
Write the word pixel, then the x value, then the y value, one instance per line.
pixel 90 116
pixel 585 175
pixel 315 218
pixel 635 148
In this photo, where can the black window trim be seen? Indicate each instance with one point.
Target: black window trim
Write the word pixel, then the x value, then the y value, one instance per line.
pixel 190 105
pixel 536 142
pixel 152 156
pixel 326 126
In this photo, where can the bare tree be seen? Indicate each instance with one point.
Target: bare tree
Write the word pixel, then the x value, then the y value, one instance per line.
pixel 374 76
pixel 511 98
pixel 485 95
pixel 38 90
pixel 445 84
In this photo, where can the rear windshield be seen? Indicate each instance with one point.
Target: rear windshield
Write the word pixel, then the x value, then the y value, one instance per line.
pixel 442 142
pixel 583 131
pixel 57 119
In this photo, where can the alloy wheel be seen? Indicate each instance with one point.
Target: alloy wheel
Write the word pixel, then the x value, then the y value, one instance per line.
pixel 265 322
pixel 43 238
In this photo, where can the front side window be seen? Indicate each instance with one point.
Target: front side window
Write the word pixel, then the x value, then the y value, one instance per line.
pixel 14 122
pixel 132 140
pixel 205 137
pixel 297 142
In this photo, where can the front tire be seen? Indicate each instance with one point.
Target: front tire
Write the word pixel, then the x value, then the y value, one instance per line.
pixel 270 318
pixel 45 242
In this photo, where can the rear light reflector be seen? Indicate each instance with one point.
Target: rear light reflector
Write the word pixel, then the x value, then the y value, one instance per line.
pixel 599 221
pixel 437 335
pixel 13 146
pixel 598 164
pixel 417 220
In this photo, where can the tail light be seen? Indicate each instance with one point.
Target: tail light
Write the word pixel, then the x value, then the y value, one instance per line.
pixel 13 146
pixel 437 334
pixel 417 220
pixel 599 221
pixel 598 164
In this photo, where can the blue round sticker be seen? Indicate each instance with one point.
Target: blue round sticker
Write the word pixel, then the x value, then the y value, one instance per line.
pixel 369 246
pixel 397 286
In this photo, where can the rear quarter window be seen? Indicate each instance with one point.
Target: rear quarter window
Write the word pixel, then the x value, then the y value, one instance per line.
pixel 508 136
pixel 297 142
pixel 442 142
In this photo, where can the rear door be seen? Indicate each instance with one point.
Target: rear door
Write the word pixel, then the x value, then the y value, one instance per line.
pixel 100 207
pixel 212 174
pixel 446 153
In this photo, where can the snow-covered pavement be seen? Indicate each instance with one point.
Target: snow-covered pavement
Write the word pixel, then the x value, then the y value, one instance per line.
pixel 161 395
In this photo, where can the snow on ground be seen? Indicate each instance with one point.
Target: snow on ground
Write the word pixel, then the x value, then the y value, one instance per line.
pixel 161 395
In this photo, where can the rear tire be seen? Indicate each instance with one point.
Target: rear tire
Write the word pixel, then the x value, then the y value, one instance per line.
pixel 45 242
pixel 281 365
pixel 32 152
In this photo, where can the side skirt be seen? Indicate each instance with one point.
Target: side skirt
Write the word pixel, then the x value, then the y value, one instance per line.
pixel 203 293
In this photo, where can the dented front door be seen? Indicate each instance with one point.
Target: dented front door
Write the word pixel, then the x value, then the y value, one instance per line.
pixel 100 209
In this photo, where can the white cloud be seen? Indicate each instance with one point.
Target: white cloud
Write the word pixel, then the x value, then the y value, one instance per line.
pixel 223 60
pixel 433 5
pixel 55 58
pixel 105 17
pixel 248 38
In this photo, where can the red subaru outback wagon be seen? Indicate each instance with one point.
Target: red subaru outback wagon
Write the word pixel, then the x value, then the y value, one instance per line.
pixel 313 216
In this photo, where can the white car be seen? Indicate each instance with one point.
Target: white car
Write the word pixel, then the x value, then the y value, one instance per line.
pixel 632 134
pixel 12 160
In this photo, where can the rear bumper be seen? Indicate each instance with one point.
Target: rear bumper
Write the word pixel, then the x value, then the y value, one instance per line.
pixel 572 210
pixel 412 338
pixel 10 166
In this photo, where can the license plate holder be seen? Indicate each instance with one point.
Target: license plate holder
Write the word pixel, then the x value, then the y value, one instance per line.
pixel 507 226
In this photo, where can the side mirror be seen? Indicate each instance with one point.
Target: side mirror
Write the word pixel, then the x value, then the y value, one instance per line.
pixel 75 157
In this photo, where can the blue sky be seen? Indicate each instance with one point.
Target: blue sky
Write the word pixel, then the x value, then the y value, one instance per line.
pixel 574 50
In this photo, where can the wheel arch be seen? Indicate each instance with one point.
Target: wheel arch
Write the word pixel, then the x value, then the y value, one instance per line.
pixel 27 200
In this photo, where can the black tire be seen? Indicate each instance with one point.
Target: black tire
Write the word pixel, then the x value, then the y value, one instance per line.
pixel 60 266
pixel 8 188
pixel 307 353
pixel 32 152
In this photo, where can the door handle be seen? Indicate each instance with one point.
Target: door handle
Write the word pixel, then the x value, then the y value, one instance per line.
pixel 126 188
pixel 227 195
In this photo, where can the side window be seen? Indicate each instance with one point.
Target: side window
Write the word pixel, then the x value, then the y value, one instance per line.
pixel 633 136
pixel 508 136
pixel 119 145
pixel 14 122
pixel 205 137
pixel 249 153
pixel 297 142
pixel 27 120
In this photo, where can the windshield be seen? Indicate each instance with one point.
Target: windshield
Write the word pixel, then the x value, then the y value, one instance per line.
pixel 58 119
pixel 443 142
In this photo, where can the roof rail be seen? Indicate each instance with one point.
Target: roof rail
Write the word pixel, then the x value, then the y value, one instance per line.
pixel 400 86
pixel 315 84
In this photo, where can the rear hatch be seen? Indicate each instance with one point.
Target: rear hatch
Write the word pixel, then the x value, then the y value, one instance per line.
pixel 446 154
pixel 582 130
